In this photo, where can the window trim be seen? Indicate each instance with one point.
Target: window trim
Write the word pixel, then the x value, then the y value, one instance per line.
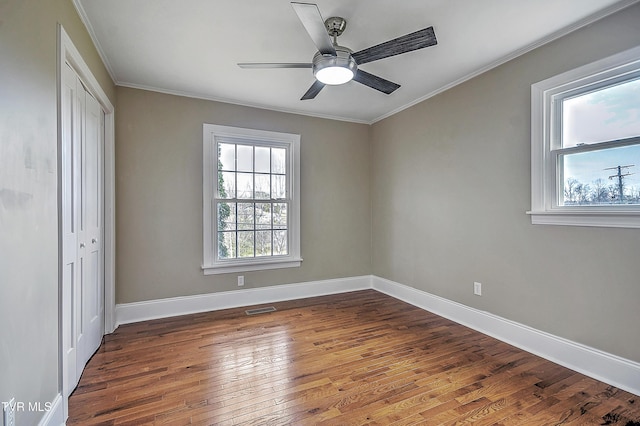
pixel 544 174
pixel 210 265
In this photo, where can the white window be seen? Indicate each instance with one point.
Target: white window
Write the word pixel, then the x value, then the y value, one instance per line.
pixel 585 145
pixel 251 199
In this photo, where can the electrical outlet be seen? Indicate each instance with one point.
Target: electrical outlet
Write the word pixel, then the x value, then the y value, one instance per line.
pixel 240 280
pixel 9 412
pixel 477 288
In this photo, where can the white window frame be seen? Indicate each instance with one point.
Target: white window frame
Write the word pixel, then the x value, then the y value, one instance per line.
pixel 213 133
pixel 545 121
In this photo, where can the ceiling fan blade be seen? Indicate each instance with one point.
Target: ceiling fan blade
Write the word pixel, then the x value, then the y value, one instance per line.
pixel 315 88
pixel 407 43
pixel 262 65
pixel 310 17
pixel 375 82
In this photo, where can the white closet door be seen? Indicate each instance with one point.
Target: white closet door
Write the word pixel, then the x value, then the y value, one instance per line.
pixel 92 229
pixel 82 227
pixel 70 188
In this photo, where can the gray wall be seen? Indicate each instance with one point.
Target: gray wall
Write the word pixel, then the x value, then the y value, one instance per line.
pixel 28 194
pixel 159 196
pixel 446 183
pixel 450 187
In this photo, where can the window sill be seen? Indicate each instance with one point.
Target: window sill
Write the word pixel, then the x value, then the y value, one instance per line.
pixel 234 267
pixel 605 219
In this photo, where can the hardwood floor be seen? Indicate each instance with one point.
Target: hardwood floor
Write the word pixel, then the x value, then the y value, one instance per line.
pixel 349 359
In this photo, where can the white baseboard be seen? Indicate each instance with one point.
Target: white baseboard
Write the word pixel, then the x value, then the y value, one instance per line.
pixel 55 415
pixel 608 368
pixel 602 366
pixel 162 308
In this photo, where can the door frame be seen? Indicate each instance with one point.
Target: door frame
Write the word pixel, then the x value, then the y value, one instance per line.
pixel 67 52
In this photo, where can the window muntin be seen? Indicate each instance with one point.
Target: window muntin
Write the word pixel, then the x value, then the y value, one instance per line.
pixel 251 199
pixel 585 145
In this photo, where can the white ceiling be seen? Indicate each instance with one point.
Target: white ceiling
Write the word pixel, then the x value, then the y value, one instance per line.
pixel 191 47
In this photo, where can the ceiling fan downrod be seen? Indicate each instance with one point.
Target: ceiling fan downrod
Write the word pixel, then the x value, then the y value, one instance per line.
pixel 335 27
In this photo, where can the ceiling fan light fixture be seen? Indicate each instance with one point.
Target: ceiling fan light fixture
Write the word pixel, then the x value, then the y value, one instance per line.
pixel 334 75
pixel 334 70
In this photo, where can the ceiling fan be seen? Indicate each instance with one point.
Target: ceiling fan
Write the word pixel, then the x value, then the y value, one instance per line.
pixel 334 64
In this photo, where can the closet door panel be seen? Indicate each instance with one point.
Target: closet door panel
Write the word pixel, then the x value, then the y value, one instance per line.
pixel 82 226
pixel 70 187
pixel 93 195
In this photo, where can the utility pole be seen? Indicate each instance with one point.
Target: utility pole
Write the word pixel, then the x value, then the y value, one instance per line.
pixel 619 175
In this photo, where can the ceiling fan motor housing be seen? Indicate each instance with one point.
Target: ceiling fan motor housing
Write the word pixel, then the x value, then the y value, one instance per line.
pixel 342 60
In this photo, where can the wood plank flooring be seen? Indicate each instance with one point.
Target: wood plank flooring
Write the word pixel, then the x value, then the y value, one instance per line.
pixel 350 359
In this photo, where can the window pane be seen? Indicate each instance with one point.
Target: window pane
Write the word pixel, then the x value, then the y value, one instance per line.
pixel 262 159
pixel 226 216
pixel 245 158
pixel 279 187
pixel 596 177
pixel 245 185
pixel 245 216
pixel 263 243
pixel 263 187
pixel 610 113
pixel 263 216
pixel 227 184
pixel 279 160
pixel 226 156
pixel 226 245
pixel 280 243
pixel 245 244
pixel 279 216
